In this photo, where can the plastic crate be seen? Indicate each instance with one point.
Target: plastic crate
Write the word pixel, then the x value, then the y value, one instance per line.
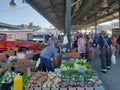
pixel 54 88
pixel 63 88
pixel 37 88
pixel 45 88
pixel 99 88
pixel 72 88
pixel 6 86
pixel 80 88
pixel 89 88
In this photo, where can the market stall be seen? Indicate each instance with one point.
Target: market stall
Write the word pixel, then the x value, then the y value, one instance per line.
pixel 73 73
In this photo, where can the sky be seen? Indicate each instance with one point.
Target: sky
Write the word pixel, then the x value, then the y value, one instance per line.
pixel 22 14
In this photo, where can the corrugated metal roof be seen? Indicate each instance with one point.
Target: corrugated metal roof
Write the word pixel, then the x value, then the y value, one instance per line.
pixel 83 14
pixel 9 26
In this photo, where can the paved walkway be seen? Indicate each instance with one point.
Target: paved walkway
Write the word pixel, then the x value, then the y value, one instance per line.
pixel 111 79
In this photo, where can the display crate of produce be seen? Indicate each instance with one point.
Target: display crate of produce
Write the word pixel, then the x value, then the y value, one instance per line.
pixel 32 65
pixel 54 88
pixel 72 88
pixel 45 88
pixel 99 88
pixel 3 61
pixel 29 89
pixel 21 68
pixel 10 52
pixel 22 62
pixel 4 67
pixel 80 88
pixel 37 88
pixel 13 63
pixel 63 88
pixel 6 80
pixel 89 88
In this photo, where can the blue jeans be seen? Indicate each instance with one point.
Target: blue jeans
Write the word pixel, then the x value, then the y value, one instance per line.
pixel 105 56
pixel 46 64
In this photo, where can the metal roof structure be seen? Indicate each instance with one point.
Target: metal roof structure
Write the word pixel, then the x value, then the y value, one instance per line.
pixel 4 25
pixel 84 13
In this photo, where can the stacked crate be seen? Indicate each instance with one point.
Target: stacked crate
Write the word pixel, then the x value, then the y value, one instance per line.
pixel 32 65
pixel 22 65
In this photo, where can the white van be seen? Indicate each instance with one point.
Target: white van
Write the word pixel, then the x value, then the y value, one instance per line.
pixel 41 37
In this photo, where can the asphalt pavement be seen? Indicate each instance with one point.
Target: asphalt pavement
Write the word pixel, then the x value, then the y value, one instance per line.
pixel 111 79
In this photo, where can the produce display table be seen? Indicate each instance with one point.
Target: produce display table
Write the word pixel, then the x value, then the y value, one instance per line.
pixel 74 74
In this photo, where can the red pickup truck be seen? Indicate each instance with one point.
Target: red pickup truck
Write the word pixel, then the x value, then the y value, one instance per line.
pixel 7 40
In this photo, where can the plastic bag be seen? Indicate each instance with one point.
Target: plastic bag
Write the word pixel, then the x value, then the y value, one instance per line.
pixel 11 58
pixel 65 39
pixel 113 59
pixel 38 62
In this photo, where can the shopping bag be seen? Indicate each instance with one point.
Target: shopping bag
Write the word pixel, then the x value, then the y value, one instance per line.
pixel 65 39
pixel 113 59
pixel 38 62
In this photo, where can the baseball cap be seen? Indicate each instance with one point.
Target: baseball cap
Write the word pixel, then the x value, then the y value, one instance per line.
pixel 103 32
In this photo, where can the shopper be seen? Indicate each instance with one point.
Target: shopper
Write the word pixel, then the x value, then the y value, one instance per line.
pixel 90 49
pixel 48 53
pixel 104 45
pixel 81 43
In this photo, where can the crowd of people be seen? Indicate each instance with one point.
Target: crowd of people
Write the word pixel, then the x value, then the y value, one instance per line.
pixel 86 44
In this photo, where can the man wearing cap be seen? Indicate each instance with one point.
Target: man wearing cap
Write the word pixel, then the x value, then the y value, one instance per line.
pixel 45 56
pixel 104 44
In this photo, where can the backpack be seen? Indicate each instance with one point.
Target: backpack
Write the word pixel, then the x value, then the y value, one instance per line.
pixel 118 40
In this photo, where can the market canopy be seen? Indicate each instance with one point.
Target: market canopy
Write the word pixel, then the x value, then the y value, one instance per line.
pixel 84 13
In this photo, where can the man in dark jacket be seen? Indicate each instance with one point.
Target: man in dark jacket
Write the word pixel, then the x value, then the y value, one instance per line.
pixel 104 45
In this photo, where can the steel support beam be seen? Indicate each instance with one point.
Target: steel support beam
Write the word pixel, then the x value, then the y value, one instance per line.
pixel 95 26
pixel 68 23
